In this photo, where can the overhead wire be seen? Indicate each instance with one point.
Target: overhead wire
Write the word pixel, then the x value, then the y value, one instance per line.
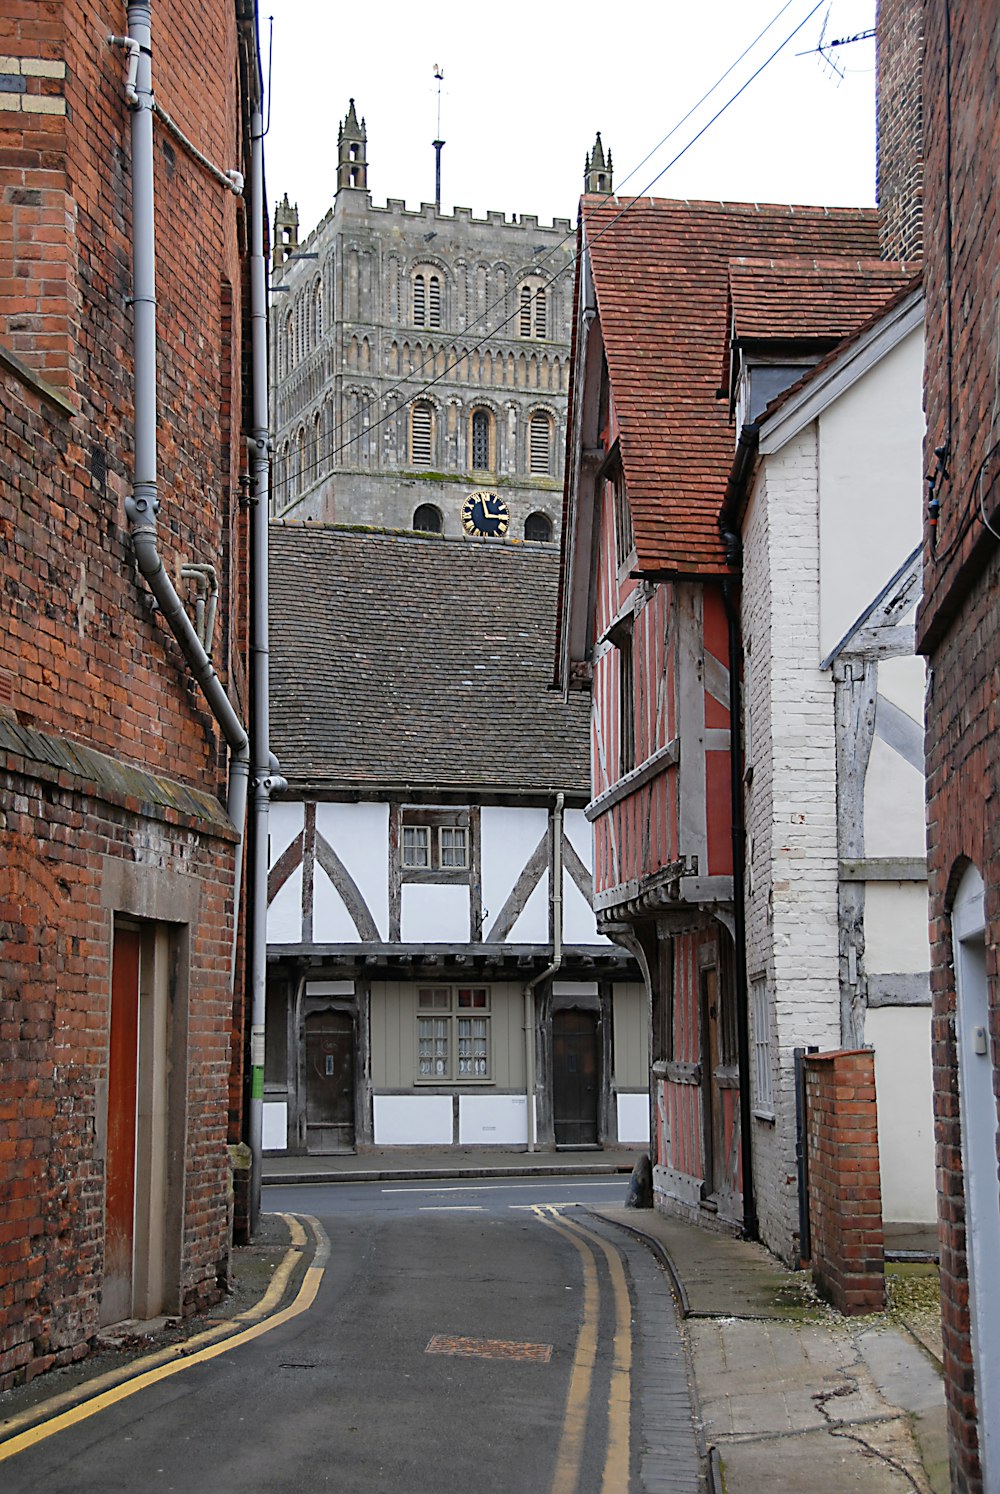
pixel 413 395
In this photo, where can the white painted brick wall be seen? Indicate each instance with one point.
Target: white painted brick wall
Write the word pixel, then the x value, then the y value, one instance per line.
pixel 791 805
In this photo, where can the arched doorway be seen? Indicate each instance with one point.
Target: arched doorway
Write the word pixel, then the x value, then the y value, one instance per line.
pixel 979 1160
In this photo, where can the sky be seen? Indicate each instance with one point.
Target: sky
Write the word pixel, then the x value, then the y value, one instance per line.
pixel 525 92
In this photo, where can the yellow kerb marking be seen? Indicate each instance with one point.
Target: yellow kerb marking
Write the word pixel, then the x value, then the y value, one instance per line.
pixel 574 1427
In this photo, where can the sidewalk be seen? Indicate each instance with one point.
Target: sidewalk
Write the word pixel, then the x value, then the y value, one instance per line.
pixel 418 1164
pixel 793 1397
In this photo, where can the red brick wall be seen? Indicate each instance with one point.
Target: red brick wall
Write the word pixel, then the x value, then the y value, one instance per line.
pixel 899 112
pixel 960 616
pixel 84 658
pixel 845 1195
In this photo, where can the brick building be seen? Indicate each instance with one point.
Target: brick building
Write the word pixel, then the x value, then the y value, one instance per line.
pixel 958 626
pixel 119 862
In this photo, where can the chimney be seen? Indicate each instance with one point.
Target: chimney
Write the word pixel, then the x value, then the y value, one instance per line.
pixel 900 127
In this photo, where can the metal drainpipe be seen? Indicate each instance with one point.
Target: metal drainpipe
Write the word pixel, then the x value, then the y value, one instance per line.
pixel 550 969
pixel 265 776
pixel 750 1223
pixel 142 506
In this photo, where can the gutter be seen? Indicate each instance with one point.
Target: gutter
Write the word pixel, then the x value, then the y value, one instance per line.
pixel 731 511
pixel 550 969
pixel 143 504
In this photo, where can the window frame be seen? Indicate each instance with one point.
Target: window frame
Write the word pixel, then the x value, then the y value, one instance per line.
pixel 760 1026
pixel 451 1017
pixel 414 831
pixel 488 419
pixel 421 407
pixel 536 420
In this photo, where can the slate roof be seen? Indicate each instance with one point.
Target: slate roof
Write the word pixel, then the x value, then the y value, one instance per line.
pixel 661 276
pixel 804 299
pixel 401 661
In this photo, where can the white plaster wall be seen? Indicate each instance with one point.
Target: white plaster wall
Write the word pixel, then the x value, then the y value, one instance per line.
pixel 896 928
pixel 359 833
pixel 532 925
pixel 275 1126
pixel 901 1037
pixel 412 1120
pixel 432 914
pixel 284 916
pixel 493 1120
pixel 579 924
pixel 509 836
pixel 580 834
pixel 633 1119
pixel 870 455
pixel 791 803
pixel 284 823
pixel 904 681
pixel 894 805
pixel 332 924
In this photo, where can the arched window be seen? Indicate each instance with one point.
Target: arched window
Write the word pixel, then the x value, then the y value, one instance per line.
pixel 532 320
pixel 540 444
pixel 316 462
pixel 421 433
pixel 481 441
pixel 538 527
pixel 427 519
pixel 290 341
pixel 317 311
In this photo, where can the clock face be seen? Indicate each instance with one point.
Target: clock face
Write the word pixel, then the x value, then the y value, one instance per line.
pixel 485 514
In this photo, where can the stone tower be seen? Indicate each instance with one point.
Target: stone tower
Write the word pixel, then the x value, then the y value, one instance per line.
pixel 352 158
pixel 597 171
pixel 286 230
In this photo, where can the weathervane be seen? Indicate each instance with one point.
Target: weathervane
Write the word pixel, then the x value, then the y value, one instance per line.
pixel 438 143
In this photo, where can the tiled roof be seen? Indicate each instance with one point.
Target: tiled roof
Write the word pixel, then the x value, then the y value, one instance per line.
pixel 813 299
pixel 661 274
pixel 401 661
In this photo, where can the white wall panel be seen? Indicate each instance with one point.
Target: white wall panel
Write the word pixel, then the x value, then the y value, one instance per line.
pixel 493 1120
pixel 359 833
pixel 894 805
pixel 433 914
pixel 332 924
pixel 275 1125
pixel 633 1119
pixel 413 1120
pixel 532 926
pixel 509 836
pixel 579 923
pixel 284 823
pixel 579 832
pixel 901 1037
pixel 284 916
pixel 896 933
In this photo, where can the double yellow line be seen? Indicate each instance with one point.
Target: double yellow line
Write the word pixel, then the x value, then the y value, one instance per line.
pixel 118 1385
pixel 617 1456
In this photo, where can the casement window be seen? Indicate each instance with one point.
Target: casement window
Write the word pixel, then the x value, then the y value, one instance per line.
pixel 763 1080
pixel 538 527
pixel 426 299
pixel 481 441
pixel 453 1034
pixel 626 703
pixel 431 848
pixel 540 444
pixel 532 310
pixel 421 433
pixel 415 849
pixel 624 534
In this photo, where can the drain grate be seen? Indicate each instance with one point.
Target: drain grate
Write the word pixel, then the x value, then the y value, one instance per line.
pixel 488 1348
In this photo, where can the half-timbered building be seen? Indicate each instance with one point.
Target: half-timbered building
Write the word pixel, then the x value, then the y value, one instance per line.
pixel 436 976
pixel 649 625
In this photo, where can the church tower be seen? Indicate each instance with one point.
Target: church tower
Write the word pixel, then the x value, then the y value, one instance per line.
pixel 352 157
pixel 286 230
pixel 597 173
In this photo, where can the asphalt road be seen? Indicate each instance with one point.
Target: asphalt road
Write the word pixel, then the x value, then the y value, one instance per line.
pixel 465 1336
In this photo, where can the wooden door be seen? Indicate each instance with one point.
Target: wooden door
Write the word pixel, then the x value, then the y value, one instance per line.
pixel 575 1073
pixel 329 1082
pixel 119 1176
pixel 711 1099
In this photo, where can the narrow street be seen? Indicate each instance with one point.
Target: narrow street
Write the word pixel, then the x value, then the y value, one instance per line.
pixel 464 1336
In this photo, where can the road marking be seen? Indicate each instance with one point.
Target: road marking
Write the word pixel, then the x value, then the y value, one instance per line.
pixel 617 1456
pixel 570 1453
pixel 503 1187
pixel 450 1209
pixel 304 1299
